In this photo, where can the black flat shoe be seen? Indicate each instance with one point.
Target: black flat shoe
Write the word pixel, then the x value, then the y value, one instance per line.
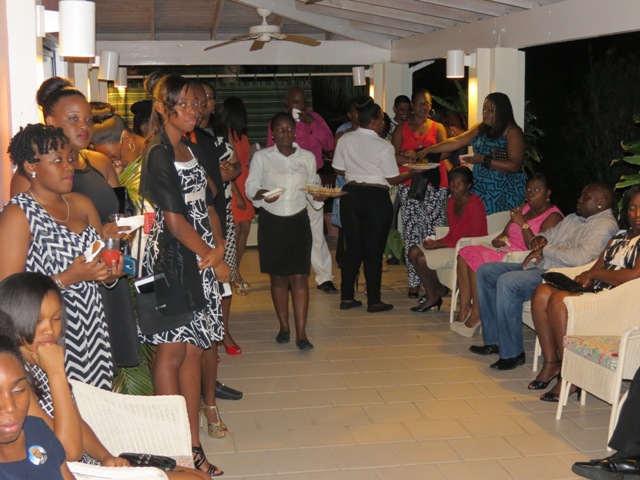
pixel 423 307
pixel 227 393
pixel 613 467
pixel 348 304
pixel 509 363
pixel 304 344
pixel 379 307
pixel 283 337
pixel 484 349
pixel 328 287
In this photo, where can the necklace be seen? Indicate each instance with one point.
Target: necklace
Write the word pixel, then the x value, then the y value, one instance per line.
pixel 35 197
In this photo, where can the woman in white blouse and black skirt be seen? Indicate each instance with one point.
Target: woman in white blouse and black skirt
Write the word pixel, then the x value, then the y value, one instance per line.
pixel 284 233
pixel 369 165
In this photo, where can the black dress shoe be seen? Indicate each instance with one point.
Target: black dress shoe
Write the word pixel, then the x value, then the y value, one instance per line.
pixel 613 467
pixel 393 261
pixel 379 307
pixel 227 393
pixel 283 337
pixel 304 344
pixel 348 304
pixel 509 363
pixel 328 287
pixel 484 349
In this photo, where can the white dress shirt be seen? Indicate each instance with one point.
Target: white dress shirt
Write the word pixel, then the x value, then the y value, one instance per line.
pixel 365 157
pixel 270 169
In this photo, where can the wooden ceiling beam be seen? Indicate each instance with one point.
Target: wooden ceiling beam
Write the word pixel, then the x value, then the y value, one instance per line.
pixel 152 19
pixel 367 18
pixel 215 19
pixel 481 7
pixel 448 13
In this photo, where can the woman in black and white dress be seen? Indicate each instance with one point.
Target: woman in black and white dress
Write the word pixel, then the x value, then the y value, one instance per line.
pixel 174 181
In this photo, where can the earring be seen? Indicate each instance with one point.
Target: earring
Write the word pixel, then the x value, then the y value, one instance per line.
pixel 33 175
pixel 132 146
pixel 599 206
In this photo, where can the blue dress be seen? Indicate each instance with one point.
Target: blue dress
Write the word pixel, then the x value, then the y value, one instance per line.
pixel 44 454
pixel 498 191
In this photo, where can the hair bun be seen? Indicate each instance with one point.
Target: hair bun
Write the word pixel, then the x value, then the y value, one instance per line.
pixel 151 81
pixel 50 86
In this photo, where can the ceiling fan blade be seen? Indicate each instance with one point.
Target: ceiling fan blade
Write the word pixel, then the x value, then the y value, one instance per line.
pixel 257 45
pixel 229 42
pixel 310 42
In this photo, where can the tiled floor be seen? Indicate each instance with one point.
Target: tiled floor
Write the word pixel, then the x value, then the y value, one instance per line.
pixel 385 397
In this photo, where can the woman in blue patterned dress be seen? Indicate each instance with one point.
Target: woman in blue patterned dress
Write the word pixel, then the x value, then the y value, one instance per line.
pixel 47 229
pixel 176 184
pixel 498 153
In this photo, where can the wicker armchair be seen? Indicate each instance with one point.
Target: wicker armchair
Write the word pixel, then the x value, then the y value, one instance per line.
pixel 131 423
pixel 448 275
pixel 602 345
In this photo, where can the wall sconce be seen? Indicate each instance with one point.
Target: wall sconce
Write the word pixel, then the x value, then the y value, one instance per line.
pixel 360 76
pixel 75 21
pixel 456 61
pixel 108 65
pixel 121 79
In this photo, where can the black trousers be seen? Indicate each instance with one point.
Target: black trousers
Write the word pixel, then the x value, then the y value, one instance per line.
pixel 365 214
pixel 626 436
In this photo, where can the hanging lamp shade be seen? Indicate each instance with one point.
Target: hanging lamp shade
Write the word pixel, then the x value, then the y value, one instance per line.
pixel 359 76
pixel 121 79
pixel 108 65
pixel 455 63
pixel 77 19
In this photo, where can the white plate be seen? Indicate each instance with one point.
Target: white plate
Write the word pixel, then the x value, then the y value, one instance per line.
pixel 273 193
pixel 430 166
pixel 91 252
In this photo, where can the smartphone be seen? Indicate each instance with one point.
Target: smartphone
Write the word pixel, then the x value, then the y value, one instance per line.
pixel 144 284
pixel 129 265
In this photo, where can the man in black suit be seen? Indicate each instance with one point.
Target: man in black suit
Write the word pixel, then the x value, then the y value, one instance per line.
pixel 625 463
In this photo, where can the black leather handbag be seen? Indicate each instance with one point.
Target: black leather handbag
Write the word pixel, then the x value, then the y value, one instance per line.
pixel 147 460
pixel 562 282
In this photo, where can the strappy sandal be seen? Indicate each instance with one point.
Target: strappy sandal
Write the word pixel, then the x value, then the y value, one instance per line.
pixel 542 384
pixel 215 429
pixel 199 460
pixel 242 288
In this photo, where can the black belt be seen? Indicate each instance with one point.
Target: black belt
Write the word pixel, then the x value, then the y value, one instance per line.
pixel 375 185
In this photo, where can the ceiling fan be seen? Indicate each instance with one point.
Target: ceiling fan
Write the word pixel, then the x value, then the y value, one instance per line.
pixel 264 33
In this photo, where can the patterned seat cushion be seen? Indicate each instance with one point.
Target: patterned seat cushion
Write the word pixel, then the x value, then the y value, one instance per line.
pixel 602 350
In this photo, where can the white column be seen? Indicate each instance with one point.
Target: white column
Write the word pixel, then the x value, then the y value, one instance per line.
pixel 21 72
pixel 389 81
pixel 497 70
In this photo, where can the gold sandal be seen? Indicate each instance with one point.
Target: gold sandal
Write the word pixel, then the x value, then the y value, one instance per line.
pixel 216 429
pixel 242 288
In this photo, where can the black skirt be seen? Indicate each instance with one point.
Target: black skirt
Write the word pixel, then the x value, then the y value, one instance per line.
pixel 284 243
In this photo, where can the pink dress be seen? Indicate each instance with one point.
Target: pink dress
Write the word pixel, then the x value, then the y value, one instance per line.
pixel 477 255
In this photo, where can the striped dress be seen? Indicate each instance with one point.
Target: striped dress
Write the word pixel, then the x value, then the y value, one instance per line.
pixel 53 248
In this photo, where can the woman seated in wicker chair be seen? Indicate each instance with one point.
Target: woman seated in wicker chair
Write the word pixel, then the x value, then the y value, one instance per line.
pixel 33 302
pixel 616 265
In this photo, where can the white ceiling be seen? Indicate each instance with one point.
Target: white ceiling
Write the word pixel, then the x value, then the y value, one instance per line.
pixel 404 31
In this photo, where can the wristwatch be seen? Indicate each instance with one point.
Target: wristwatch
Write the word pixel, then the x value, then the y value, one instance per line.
pixel 525 226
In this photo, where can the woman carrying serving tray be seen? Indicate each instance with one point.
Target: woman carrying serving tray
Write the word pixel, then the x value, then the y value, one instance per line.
pixel 369 165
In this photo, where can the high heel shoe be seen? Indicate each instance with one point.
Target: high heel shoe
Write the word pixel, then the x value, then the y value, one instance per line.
pixel 555 397
pixel 423 307
pixel 216 429
pixel 199 459
pixel 542 384
pixel 233 349
pixel 461 329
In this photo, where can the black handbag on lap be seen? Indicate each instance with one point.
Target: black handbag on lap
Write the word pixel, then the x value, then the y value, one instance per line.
pixel 147 460
pixel 562 282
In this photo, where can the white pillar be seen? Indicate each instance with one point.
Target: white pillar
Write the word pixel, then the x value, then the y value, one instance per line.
pixel 389 81
pixel 497 70
pixel 21 72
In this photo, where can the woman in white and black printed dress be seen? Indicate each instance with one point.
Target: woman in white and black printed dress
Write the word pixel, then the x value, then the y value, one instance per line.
pixel 174 181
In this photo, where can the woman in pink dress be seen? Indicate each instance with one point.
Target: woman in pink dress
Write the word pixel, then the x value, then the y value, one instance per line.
pixel 536 215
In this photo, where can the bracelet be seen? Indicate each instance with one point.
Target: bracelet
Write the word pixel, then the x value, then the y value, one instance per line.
pixel 525 226
pixel 109 286
pixel 486 162
pixel 59 284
